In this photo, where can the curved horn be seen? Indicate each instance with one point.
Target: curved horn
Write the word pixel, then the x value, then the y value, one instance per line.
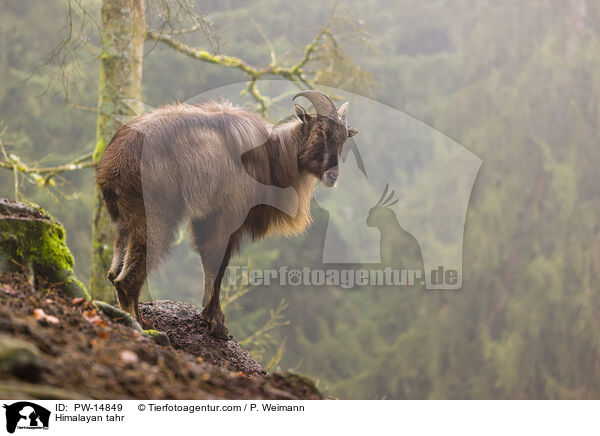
pixel 323 104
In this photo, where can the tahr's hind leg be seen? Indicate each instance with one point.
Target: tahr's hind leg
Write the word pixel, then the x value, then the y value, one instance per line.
pixel 149 239
pixel 131 279
pixel 119 251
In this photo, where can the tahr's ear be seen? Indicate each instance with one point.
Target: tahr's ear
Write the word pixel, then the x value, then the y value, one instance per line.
pixel 352 131
pixel 301 113
pixel 343 110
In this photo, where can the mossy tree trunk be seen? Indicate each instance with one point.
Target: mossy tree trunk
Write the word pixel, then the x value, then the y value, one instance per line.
pixel 123 36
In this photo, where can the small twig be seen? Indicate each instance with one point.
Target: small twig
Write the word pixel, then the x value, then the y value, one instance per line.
pixel 82 107
pixel 230 299
pixel 275 320
pixel 268 42
pixel 186 30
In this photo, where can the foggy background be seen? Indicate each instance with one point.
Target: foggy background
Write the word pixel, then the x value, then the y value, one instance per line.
pixel 515 83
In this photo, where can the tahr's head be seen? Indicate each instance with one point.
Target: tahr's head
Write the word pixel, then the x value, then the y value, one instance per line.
pixel 326 133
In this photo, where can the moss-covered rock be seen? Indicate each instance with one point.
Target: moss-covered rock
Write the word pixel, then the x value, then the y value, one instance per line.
pixel 30 238
pixel 117 315
pixel 160 338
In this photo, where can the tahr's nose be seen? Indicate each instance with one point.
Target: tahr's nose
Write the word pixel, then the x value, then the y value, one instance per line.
pixel 331 176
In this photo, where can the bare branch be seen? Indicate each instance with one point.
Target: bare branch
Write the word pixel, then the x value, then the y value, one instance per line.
pixel 203 55
pixel 79 163
pixel 268 42
pixel 294 73
pixel 276 319
pixel 330 62
pixel 64 63
pixel 41 176
pixel 82 107
pixel 165 14
pixel 184 31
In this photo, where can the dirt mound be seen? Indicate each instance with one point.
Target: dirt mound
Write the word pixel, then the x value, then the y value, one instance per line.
pixel 56 347
pixel 188 332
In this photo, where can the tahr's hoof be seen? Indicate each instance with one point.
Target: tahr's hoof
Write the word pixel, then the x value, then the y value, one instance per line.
pixel 218 331
pixel 146 325
pixel 112 276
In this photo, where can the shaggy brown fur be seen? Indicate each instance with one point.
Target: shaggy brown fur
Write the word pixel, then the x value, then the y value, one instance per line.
pixel 225 170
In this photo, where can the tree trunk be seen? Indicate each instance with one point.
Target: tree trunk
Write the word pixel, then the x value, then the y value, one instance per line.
pixel 123 35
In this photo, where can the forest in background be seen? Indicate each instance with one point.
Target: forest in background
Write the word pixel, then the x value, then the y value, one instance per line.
pixel 515 82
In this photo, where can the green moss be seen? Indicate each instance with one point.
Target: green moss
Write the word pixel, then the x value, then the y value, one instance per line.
pixel 41 244
pixel 99 150
pixel 158 337
pixel 152 332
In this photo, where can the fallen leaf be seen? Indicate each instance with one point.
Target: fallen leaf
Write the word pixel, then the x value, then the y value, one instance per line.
pixel 52 319
pixel 99 321
pixel 128 356
pixel 92 317
pixel 87 314
pixel 7 289
pixel 40 315
pixel 77 301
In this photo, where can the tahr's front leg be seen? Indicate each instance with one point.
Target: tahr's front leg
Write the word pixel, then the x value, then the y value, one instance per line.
pixel 214 242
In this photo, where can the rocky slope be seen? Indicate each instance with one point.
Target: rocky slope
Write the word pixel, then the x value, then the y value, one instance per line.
pixel 56 343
